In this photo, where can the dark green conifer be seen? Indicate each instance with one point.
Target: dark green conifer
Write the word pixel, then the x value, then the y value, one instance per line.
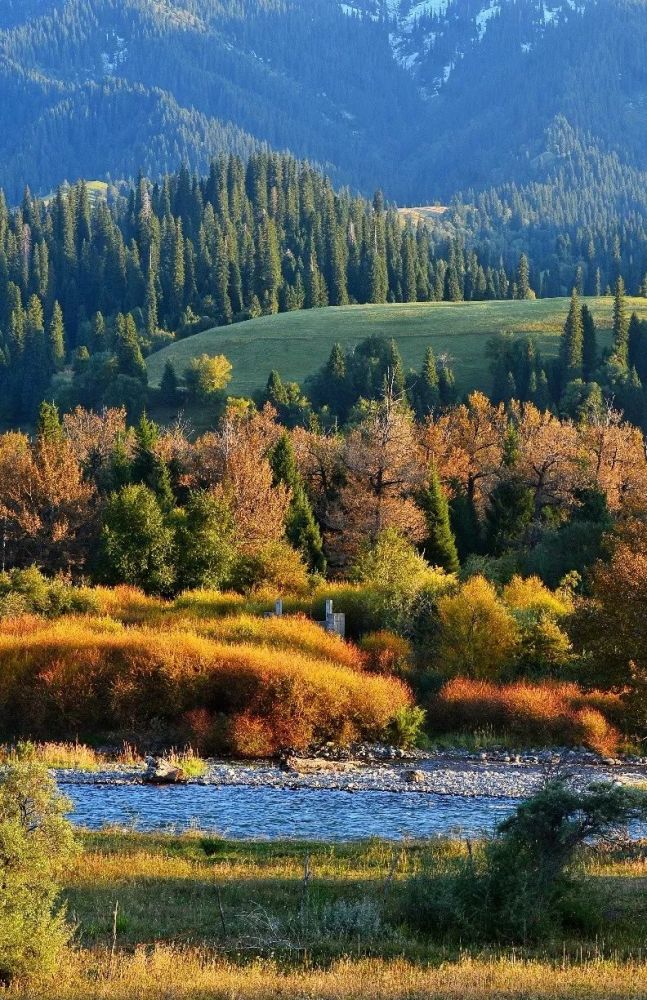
pixel 439 545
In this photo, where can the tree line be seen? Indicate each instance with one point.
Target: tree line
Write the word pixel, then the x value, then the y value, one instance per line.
pixel 89 286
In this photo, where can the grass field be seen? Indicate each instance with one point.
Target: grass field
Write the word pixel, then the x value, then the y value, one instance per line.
pixel 199 918
pixel 296 344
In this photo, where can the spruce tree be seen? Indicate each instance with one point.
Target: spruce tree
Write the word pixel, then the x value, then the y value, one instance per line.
pixel 572 342
pixel 301 528
pixel 620 324
pixel 439 546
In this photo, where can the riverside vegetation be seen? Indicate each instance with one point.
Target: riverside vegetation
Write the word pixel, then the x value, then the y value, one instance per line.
pixel 125 915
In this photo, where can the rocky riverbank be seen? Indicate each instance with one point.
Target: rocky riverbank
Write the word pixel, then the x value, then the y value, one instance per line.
pixel 384 769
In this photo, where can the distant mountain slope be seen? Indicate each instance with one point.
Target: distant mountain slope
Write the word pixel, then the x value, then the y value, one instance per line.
pixel 420 97
pixel 293 74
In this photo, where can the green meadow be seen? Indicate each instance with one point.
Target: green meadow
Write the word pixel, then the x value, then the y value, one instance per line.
pixel 297 343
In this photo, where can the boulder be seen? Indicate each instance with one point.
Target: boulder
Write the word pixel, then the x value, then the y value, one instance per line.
pixel 415 777
pixel 160 772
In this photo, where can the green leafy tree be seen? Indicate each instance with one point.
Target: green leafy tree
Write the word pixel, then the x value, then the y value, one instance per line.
pixel 205 542
pixel 137 545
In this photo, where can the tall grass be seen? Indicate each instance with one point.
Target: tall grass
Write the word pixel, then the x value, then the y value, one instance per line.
pixel 175 973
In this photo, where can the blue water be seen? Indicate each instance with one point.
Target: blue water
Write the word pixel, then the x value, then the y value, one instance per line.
pixel 242 812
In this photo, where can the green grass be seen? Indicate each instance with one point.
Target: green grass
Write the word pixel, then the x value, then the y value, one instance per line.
pixel 198 918
pixel 270 898
pixel 298 343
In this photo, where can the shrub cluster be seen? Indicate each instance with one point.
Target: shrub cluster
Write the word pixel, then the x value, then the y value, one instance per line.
pixel 89 677
pixel 545 713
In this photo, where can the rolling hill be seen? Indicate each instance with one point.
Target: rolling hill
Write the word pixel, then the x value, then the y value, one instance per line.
pixel 297 343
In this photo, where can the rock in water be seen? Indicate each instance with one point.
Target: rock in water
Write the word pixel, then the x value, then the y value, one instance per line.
pixel 160 772
pixel 415 777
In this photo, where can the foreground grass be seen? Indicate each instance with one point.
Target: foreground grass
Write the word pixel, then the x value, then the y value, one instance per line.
pixel 298 343
pixel 172 974
pixel 296 899
pixel 198 918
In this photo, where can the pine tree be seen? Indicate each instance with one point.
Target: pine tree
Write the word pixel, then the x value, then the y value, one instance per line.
pixel 439 546
pixel 169 385
pixel 572 342
pixel 446 383
pixel 275 392
pixel 464 522
pixel 56 338
pixel 523 278
pixel 49 427
pixel 589 345
pixel 425 391
pixel 129 355
pixel 620 324
pixel 148 467
pixel 150 307
pixel 301 528
pixel 394 382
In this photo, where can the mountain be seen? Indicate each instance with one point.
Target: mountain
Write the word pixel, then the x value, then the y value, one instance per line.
pixel 117 85
pixel 421 97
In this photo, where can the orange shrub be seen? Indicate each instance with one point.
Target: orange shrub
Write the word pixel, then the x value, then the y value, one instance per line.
pixel 545 713
pixel 292 632
pixel 385 652
pixel 75 677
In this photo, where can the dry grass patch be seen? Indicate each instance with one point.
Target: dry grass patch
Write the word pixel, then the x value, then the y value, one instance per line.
pixel 177 974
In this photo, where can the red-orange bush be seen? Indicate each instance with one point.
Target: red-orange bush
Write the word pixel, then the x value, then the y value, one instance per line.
pixel 385 652
pixel 75 677
pixel 549 712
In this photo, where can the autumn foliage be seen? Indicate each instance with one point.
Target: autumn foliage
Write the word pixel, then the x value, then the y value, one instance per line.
pixel 547 713
pixel 89 677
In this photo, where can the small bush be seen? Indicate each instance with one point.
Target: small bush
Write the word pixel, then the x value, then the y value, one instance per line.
pixel 407 726
pixel 35 842
pixel 386 653
pixel 521 885
pixel 27 591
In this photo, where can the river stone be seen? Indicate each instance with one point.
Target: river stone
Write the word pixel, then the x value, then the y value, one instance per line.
pixel 415 777
pixel 315 765
pixel 160 772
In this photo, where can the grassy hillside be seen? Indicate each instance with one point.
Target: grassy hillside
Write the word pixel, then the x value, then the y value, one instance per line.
pixel 298 343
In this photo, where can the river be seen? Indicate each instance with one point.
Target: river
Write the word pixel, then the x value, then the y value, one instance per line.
pixel 259 801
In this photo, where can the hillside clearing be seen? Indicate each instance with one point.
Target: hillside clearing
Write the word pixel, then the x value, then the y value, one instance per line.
pixel 297 343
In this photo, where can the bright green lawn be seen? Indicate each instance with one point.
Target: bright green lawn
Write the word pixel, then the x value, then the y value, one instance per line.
pixel 298 343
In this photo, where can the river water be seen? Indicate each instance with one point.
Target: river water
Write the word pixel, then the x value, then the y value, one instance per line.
pixel 261 802
pixel 245 812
